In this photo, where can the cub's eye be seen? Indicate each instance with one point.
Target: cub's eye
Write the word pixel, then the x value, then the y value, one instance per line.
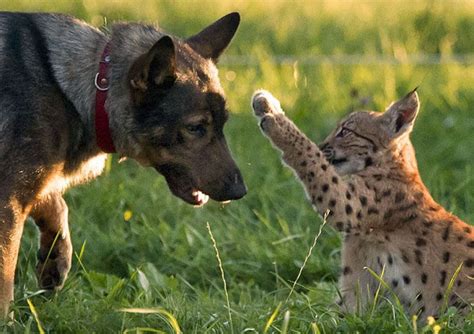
pixel 343 132
pixel 197 130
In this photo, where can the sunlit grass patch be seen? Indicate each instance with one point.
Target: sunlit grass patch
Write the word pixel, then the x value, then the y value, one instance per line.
pixel 139 248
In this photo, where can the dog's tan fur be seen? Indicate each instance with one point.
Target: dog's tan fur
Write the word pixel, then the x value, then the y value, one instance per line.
pixel 366 175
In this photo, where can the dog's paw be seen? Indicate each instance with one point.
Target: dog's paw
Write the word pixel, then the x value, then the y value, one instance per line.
pixel 52 274
pixel 52 270
pixel 265 104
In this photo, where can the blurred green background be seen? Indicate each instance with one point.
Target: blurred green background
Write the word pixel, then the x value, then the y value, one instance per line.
pixel 322 59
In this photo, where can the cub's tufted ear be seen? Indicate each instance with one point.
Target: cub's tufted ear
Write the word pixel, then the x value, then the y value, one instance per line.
pixel 400 115
pixel 213 40
pixel 154 69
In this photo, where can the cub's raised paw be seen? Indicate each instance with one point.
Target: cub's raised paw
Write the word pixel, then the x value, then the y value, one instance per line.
pixel 265 104
pixel 268 110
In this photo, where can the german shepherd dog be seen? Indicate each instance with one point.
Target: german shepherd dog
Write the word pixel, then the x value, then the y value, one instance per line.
pixel 69 93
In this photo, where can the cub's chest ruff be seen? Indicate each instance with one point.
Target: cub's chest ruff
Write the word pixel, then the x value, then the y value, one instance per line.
pixel 365 174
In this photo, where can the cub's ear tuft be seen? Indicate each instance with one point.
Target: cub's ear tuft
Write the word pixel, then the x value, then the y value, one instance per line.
pixel 400 115
pixel 213 40
pixel 154 69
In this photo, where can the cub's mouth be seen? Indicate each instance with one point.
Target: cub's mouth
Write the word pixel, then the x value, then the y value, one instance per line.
pixel 337 162
pixel 330 155
pixel 182 185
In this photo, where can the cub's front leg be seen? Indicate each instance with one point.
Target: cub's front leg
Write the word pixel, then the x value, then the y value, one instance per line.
pixel 324 187
pixel 344 199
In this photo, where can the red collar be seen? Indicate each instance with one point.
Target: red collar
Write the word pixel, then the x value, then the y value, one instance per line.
pixel 102 130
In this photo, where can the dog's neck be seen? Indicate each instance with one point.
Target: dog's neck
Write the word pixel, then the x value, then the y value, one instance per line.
pixel 127 42
pixel 77 62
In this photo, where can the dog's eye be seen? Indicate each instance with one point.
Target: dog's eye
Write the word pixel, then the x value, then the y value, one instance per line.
pixel 343 132
pixel 197 130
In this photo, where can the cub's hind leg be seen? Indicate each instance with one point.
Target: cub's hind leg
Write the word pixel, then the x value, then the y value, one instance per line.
pixel 55 252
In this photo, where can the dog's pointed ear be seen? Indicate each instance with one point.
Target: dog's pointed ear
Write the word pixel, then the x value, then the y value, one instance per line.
pixel 213 40
pixel 400 115
pixel 154 69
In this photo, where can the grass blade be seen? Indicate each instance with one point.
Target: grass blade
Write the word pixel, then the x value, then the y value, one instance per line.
pixel 307 256
pixel 449 289
pixel 221 268
pixel 168 316
pixel 286 323
pixel 35 315
pixel 271 319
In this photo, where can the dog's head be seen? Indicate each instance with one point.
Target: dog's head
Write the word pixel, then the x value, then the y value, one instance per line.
pixel 179 110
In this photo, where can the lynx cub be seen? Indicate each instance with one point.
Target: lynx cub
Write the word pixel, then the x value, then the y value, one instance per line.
pixel 366 175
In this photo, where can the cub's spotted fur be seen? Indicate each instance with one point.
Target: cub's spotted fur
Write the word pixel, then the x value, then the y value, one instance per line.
pixel 366 175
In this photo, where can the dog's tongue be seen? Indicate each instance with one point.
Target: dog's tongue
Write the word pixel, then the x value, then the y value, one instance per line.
pixel 200 197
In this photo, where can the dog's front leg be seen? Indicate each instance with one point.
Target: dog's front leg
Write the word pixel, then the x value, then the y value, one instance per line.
pixel 55 252
pixel 12 219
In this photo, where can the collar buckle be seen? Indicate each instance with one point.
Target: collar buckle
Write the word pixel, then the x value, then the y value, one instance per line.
pixel 102 84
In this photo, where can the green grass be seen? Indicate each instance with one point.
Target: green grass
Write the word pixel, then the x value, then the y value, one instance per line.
pixel 164 259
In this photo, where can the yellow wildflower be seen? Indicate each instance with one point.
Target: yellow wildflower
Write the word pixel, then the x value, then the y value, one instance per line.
pixel 436 329
pixel 430 320
pixel 127 215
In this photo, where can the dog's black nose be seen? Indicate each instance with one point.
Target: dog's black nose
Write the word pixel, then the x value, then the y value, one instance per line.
pixel 238 189
pixel 234 188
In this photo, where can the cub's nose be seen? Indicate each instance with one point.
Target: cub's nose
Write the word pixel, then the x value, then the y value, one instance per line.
pixel 327 150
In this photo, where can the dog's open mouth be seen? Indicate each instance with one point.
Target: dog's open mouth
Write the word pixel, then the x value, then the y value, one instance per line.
pixel 188 193
pixel 193 191
pixel 199 197
pixel 182 185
